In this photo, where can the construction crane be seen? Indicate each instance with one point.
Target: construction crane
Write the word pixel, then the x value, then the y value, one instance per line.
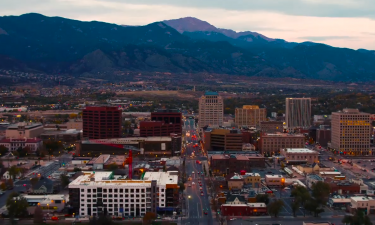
pixel 128 147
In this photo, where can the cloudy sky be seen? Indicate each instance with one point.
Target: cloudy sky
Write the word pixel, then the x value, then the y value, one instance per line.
pixel 341 23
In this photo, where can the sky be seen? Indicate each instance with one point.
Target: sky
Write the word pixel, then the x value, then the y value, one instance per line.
pixel 340 23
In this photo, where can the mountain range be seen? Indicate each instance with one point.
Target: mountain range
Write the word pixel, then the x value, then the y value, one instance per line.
pixel 33 42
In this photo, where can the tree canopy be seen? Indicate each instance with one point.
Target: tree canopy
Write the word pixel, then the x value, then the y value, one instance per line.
pixel 16 205
pixel 275 207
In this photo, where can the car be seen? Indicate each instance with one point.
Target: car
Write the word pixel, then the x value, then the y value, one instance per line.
pixel 233 219
pixel 205 212
pixel 200 188
pixel 189 185
pixel 202 194
pixel 200 185
pixel 193 183
pixel 269 172
pixel 286 188
pixel 193 172
pixel 54 218
pixel 201 191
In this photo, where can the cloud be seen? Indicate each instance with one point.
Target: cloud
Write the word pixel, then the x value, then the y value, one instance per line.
pixel 325 38
pixel 277 20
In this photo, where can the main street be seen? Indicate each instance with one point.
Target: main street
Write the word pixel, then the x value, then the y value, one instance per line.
pixel 198 206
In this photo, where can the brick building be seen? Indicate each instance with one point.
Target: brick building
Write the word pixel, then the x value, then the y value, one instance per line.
pixel 250 116
pixel 101 122
pixel 271 126
pixel 226 164
pixel 272 143
pixel 249 209
pixel 163 123
pixel 224 139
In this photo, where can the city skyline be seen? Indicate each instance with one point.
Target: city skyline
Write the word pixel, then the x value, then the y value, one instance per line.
pixel 308 20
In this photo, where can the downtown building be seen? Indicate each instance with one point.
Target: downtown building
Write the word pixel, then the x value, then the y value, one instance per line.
pixel 211 110
pixel 351 132
pixel 250 116
pixel 270 144
pixel 298 113
pixel 163 123
pixel 100 122
pixel 98 193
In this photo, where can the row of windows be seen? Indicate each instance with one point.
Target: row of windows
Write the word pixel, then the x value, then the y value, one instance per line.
pixel 116 190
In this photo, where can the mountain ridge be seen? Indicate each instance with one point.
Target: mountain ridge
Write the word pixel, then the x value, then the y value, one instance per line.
pixel 60 45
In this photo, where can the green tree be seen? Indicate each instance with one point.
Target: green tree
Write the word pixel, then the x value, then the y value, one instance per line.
pixel 263 198
pixel 3 150
pixel 312 205
pixel 359 218
pixel 16 206
pixel 14 172
pixel 275 207
pixel 321 191
pixel 76 169
pixel 149 217
pixel 295 206
pixel 301 194
pixel 64 180
pixel 38 215
pixel 101 220
pixel 112 167
pixel 10 183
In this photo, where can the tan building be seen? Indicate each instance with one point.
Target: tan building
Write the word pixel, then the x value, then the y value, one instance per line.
pixel 275 180
pixel 235 182
pixel 24 130
pixel 250 116
pixel 252 178
pixel 351 132
pixel 300 154
pixel 75 124
pixel 272 143
pixel 363 203
pixel 271 126
pixel 223 139
pixel 211 110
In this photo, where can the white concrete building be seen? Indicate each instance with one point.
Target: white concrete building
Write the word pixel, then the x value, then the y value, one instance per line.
pixel 96 193
pixel 300 154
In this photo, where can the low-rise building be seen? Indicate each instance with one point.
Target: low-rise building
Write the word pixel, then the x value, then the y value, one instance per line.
pixel 235 182
pixel 102 192
pixel 12 144
pixel 363 203
pixel 253 179
pixel 275 180
pixel 249 209
pixel 312 179
pixel 225 164
pixel 271 126
pixel 300 155
pixel 272 143
pixel 24 130
pixel 48 203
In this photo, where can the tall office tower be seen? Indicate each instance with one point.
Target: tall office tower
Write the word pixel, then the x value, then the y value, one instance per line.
pixel 211 110
pixel 250 116
pixel 298 112
pixel 351 132
pixel 101 122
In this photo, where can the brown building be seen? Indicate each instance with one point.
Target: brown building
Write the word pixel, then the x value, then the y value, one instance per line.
pixel 343 187
pixel 351 132
pixel 271 126
pixel 300 155
pixel 323 136
pixel 226 164
pixel 224 139
pixel 272 143
pixel 101 122
pixel 163 123
pixel 250 116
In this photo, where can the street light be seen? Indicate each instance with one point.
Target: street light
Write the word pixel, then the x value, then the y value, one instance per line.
pixel 48 207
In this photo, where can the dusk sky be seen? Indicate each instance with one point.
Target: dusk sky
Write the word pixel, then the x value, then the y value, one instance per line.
pixel 340 23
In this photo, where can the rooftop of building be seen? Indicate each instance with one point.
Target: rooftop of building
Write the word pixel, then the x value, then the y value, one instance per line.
pixel 167 111
pixel 300 150
pixel 255 204
pixel 273 176
pixel 26 125
pixel 236 156
pixel 61 132
pixel 104 178
pixel 24 140
pixel 315 177
pixel 207 93
pixel 251 175
pixel 278 134
pixel 126 140
pixel 317 223
pixel 351 111
pixel 361 198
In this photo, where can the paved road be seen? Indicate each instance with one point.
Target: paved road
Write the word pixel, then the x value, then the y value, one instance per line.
pixel 196 204
pixel 286 221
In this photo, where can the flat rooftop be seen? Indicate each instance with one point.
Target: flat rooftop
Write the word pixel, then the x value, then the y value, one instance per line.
pixel 281 135
pixel 273 176
pixel 299 150
pixel 26 125
pixel 161 177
